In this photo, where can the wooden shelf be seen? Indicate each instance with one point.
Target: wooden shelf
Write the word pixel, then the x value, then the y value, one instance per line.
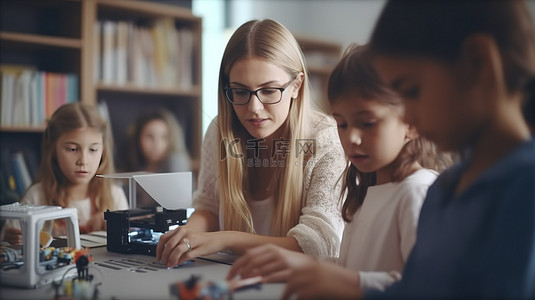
pixel 309 43
pixel 146 8
pixel 59 36
pixel 323 70
pixel 321 57
pixel 192 92
pixel 25 38
pixel 22 129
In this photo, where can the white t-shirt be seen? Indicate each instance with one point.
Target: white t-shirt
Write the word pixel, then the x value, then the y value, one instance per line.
pixel 378 240
pixel 261 213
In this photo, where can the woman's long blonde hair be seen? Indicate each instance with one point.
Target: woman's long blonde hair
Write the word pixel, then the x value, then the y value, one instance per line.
pixel 70 117
pixel 272 42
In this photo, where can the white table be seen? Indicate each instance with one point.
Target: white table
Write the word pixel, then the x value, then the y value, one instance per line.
pixel 129 276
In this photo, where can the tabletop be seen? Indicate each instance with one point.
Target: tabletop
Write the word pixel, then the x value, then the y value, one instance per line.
pixel 131 276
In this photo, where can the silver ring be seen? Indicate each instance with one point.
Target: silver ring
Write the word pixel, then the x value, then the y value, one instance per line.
pixel 188 245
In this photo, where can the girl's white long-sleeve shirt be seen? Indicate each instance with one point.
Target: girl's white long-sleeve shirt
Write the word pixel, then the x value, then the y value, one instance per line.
pixel 320 225
pixel 378 240
pixel 35 195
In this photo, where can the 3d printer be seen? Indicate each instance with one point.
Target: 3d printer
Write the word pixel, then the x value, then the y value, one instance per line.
pixel 33 263
pixel 138 230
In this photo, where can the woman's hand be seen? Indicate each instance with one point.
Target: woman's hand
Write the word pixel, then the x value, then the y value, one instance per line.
pixel 272 262
pixel 182 244
pixel 13 236
pixel 323 280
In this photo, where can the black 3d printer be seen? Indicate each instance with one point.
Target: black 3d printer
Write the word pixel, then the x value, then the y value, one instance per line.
pixel 138 230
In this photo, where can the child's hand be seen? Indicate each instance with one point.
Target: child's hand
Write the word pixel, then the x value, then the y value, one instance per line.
pixel 323 280
pixel 271 262
pixel 13 236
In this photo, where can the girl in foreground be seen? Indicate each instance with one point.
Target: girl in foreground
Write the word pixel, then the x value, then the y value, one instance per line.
pixel 464 70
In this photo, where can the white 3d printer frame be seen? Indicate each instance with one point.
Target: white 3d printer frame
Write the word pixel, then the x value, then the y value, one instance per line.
pixel 32 219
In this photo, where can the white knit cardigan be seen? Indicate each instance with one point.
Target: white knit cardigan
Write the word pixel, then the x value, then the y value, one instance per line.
pixel 320 225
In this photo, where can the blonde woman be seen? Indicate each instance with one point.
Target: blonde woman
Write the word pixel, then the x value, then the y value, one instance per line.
pixel 270 163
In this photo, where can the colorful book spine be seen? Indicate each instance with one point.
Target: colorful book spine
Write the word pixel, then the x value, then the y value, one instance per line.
pixel 158 55
pixel 21 172
pixel 29 96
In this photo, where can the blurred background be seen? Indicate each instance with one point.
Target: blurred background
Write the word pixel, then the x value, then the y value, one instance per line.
pixel 336 21
pixel 144 62
pixel 340 22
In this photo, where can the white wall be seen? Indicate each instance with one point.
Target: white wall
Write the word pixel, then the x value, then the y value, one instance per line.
pixel 340 21
pixel 214 42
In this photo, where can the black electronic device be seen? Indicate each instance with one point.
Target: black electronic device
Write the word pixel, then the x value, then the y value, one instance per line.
pixel 138 230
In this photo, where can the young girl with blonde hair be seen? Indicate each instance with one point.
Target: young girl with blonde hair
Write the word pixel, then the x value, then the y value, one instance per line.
pixel 76 147
pixel 270 163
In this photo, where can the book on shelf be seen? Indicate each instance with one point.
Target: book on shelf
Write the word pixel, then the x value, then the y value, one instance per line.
pixel 108 46
pixel 50 93
pixel 8 82
pixel 147 45
pixel 157 55
pixel 97 54
pixel 102 107
pixel 30 96
pixel 21 99
pixel 18 170
pixel 9 184
pixel 14 78
pixel 35 101
pixel 8 193
pixel 185 67
pixel 21 172
pixel 121 47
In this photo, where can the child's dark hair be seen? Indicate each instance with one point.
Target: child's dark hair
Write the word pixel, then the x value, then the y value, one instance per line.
pixel 354 76
pixel 425 29
pixel 136 159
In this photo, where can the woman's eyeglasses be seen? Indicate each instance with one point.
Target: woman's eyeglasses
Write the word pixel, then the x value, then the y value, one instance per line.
pixel 269 95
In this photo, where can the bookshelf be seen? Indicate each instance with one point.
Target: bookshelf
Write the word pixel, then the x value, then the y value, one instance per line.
pixel 63 37
pixel 321 57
